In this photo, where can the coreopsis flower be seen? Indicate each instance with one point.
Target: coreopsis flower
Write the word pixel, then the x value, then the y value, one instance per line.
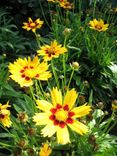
pixel 65 4
pixel 51 51
pixel 5 115
pixel 32 25
pixel 114 105
pixel 23 71
pixel 98 25
pixel 45 150
pixel 61 114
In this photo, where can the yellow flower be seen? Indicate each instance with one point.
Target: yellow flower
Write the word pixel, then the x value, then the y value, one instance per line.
pixel 58 115
pixel 51 51
pixel 32 25
pixel 5 115
pixel 98 25
pixel 114 105
pixel 65 4
pixel 23 71
pixel 45 150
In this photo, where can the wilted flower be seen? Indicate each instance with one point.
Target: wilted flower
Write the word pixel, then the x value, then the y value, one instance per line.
pixel 98 25
pixel 59 115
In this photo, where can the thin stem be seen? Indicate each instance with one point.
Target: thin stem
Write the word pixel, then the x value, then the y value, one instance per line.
pixel 94 7
pixel 32 94
pixel 70 79
pixel 41 88
pixel 55 74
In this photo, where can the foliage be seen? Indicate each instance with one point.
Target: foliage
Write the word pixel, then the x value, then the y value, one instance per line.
pixel 73 63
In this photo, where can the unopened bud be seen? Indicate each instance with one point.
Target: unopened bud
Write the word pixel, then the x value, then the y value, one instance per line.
pixel 67 31
pixel 100 105
pixel 22 144
pixel 31 131
pixel 61 77
pixel 22 117
pixel 75 65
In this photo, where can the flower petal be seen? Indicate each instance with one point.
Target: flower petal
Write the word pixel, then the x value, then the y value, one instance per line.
pixel 70 98
pixel 41 118
pixel 63 135
pixel 78 127
pixel 81 110
pixel 43 105
pixel 49 130
pixel 56 96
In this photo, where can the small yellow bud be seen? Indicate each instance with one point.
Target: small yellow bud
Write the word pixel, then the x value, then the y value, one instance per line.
pixel 75 65
pixel 61 77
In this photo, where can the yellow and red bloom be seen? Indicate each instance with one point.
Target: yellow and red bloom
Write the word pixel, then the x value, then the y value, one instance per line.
pixel 23 71
pixel 61 114
pixel 32 25
pixel 45 150
pixel 65 4
pixel 98 25
pixel 51 51
pixel 5 115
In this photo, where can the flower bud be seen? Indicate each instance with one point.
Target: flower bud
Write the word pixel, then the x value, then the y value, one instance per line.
pixel 22 117
pixel 61 77
pixel 75 65
pixel 67 31
pixel 31 131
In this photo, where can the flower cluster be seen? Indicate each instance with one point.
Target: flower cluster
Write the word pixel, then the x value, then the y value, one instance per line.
pixel 23 71
pixel 59 115
pixel 5 115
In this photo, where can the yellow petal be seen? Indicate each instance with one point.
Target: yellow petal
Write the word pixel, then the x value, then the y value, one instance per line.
pixel 70 98
pixel 78 127
pixel 49 130
pixel 56 96
pixel 30 20
pixel 63 135
pixel 41 118
pixel 44 105
pixel 81 110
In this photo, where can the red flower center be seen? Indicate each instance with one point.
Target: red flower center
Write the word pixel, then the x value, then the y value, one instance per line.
pixel 61 116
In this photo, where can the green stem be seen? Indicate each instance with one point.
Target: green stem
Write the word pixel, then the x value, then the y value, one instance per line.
pixel 94 7
pixel 32 94
pixel 55 74
pixel 44 14
pixel 108 124
pixel 64 69
pixel 70 79
pixel 41 88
